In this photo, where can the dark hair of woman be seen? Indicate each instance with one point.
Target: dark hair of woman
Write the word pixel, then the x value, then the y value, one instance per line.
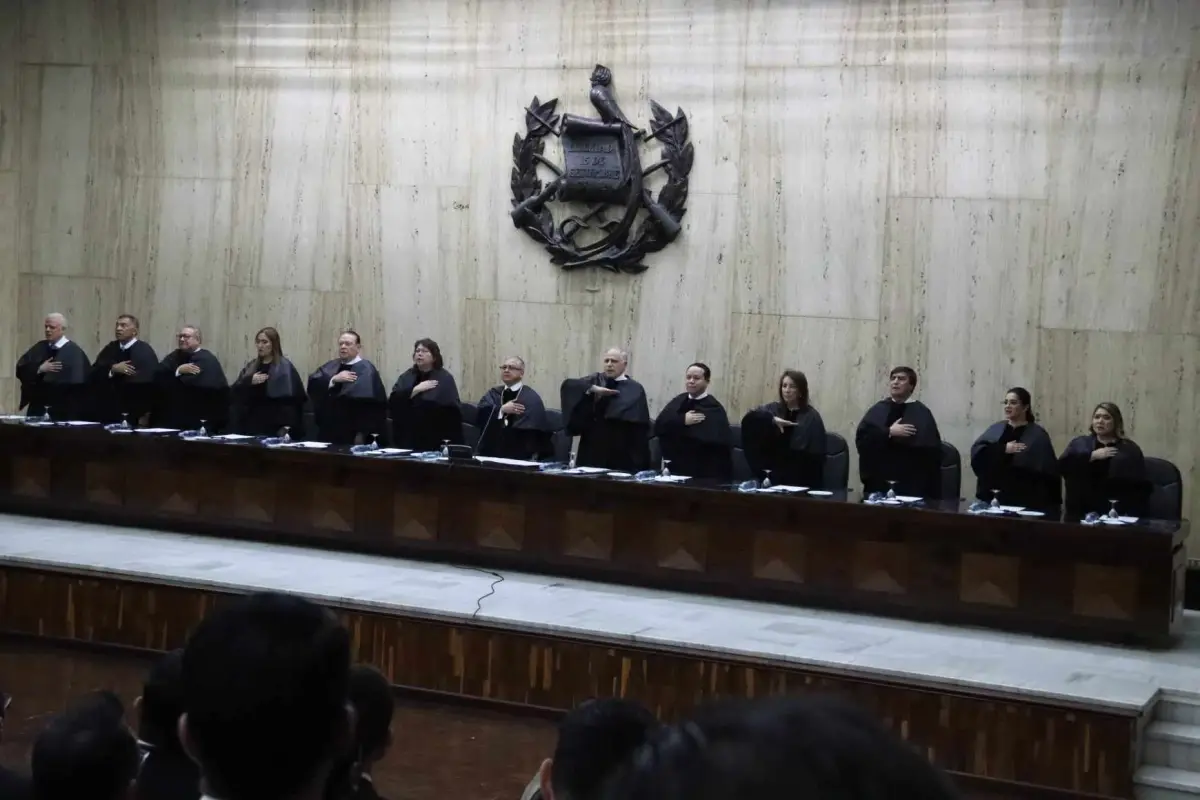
pixel 272 337
pixel 1115 412
pixel 801 382
pixel 434 350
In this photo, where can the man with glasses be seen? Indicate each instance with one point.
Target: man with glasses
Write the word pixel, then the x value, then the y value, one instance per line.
pixel 191 386
pixel 512 418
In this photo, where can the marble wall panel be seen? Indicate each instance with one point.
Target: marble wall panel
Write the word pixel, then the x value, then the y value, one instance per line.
pixel 10 53
pixel 1093 30
pixel 292 139
pixel 289 34
pixel 959 304
pixel 9 235
pixel 555 340
pixel 1114 133
pixel 811 233
pixel 365 278
pixel 10 394
pixel 782 34
pixel 55 133
pixel 59 31
pixel 89 304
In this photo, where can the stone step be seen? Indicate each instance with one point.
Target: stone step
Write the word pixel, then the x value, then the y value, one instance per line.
pixel 1172 744
pixel 1164 783
pixel 1183 708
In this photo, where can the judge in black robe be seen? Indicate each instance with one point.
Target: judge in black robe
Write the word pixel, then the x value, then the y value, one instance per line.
pixel 898 440
pixel 1104 466
pixel 349 401
pixel 122 379
pixel 1016 457
pixel 268 394
pixel 54 375
pixel 426 410
pixel 512 418
pixel 786 437
pixel 693 431
pixel 609 413
pixel 191 387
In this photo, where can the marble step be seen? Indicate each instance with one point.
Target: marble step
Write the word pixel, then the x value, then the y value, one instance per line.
pixel 1176 707
pixel 1172 744
pixel 1165 783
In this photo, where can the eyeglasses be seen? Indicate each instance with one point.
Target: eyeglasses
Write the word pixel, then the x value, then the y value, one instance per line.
pixel 510 367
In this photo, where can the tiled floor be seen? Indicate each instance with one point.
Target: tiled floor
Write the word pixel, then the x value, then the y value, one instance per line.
pixel 959 658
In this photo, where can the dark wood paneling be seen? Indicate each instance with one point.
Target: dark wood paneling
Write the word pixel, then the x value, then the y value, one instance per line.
pixel 1065 580
pixel 1038 744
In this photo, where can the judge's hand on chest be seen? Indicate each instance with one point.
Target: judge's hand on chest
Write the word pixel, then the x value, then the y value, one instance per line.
pixel 189 369
pixel 259 377
pixel 693 418
pixel 423 386
pixel 512 409
pixel 783 424
pixel 123 368
pixel 1102 453
pixel 49 365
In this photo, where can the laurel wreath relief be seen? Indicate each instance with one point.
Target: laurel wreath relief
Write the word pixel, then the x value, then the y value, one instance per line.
pixel 655 230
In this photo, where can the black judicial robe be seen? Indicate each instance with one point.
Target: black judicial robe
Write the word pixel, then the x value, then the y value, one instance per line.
pixel 1029 478
pixel 423 422
pixel 915 462
pixel 703 450
pixel 795 456
pixel 114 395
pixel 64 392
pixel 263 409
pixel 348 410
pixel 526 437
pixel 167 775
pixel 1092 484
pixel 614 432
pixel 184 401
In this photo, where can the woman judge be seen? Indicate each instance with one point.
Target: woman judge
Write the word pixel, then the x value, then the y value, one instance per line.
pixel 1015 457
pixel 787 437
pixel 424 402
pixel 268 394
pixel 1103 466
pixel 693 430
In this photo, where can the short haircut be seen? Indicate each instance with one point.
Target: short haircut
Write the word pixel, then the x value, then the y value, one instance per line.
pixel 162 703
pixel 703 368
pixel 434 350
pixel 371 696
pixel 196 328
pixel 357 338
pixel 593 740
pixel 517 359
pixel 136 322
pixel 87 751
pixel 909 371
pixel 61 318
pixel 265 687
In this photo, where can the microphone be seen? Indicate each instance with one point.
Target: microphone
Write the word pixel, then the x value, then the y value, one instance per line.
pixel 495 412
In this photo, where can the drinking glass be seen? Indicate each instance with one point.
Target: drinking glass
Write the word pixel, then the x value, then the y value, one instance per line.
pixel 203 431
pixel 374 441
pixel 666 473
pixel 124 420
pixel 1112 512
pixel 766 484
pixel 995 499
pixel 286 438
pixel 445 448
pixel 571 461
pixel 891 492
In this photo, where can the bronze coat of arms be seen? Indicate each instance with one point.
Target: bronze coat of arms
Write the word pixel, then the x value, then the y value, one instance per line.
pixel 619 219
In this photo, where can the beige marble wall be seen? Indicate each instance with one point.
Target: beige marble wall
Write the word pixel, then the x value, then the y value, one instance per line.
pixel 1001 192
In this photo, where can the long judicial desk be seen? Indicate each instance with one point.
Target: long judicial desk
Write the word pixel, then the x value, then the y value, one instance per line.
pixel 1065 580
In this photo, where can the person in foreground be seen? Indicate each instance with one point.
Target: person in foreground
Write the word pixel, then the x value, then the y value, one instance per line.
pixel 371 697
pixel 86 752
pixel 13 785
pixel 609 413
pixel 786 438
pixel 122 379
pixel 594 739
pixel 778 747
pixel 426 410
pixel 166 773
pixel 266 701
pixel 268 394
pixel 898 441
pixel 1016 458
pixel 191 386
pixel 349 401
pixel 512 418
pixel 693 430
pixel 54 374
pixel 1103 466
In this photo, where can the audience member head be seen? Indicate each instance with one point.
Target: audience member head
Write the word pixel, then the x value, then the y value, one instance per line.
pixel 816 748
pixel 616 361
pixel 696 378
pixel 349 345
pixel 512 370
pixel 594 739
pixel 373 702
pixel 87 751
pixel 1018 406
pixel 54 326
pixel 5 703
pixel 161 703
pixel 427 356
pixel 793 389
pixel 190 338
pixel 1107 421
pixel 266 344
pixel 265 697
pixel 126 328
pixel 902 382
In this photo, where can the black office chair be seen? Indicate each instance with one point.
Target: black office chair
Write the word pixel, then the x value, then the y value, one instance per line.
pixel 1166 493
pixel 735 439
pixel 951 472
pixel 836 477
pixel 741 467
pixel 655 454
pixel 469 411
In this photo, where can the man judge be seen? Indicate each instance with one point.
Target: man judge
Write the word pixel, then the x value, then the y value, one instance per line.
pixel 693 430
pixel 349 401
pixel 608 412
pixel 122 379
pixel 54 373
pixel 512 418
pixel 191 386
pixel 899 444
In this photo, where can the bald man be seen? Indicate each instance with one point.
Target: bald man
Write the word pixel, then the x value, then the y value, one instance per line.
pixel 191 386
pixel 608 412
pixel 512 418
pixel 54 374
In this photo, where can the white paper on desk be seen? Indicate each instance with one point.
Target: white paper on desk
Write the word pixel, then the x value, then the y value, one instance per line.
pixel 390 451
pixel 785 489
pixel 1128 520
pixel 583 471
pixel 156 430
pixel 513 462
pixel 671 478
pixel 307 445
pixel 905 498
pixel 1013 509
pixel 12 418
pixel 231 437
pixel 78 423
